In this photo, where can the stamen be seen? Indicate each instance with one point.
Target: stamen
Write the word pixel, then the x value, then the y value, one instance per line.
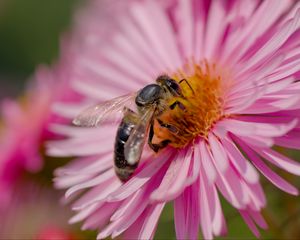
pixel 203 105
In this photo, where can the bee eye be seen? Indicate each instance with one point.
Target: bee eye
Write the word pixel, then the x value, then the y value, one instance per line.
pixel 174 87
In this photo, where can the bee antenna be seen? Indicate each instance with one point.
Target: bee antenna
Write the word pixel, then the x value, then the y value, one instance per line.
pixel 184 80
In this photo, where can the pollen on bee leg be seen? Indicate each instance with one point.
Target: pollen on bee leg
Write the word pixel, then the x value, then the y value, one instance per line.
pixel 203 91
pixel 161 133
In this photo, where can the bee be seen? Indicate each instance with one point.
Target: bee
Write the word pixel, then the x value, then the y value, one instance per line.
pixel 151 102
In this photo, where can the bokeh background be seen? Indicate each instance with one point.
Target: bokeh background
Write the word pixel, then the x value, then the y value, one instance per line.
pixel 30 31
pixel 29 36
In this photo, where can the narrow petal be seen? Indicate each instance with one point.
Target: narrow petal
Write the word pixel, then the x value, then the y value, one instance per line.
pixel 205 214
pixel 206 161
pixel 90 183
pixel 174 180
pixel 140 178
pixel 151 221
pixel 250 223
pixel 280 161
pixel 218 152
pixel 266 171
pixel 186 215
pixel 83 214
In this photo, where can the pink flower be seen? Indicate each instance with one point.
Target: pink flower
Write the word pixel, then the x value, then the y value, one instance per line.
pixel 24 125
pixel 241 59
pixel 34 213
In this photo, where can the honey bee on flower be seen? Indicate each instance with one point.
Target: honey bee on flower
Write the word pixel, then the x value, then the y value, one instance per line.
pixel 233 66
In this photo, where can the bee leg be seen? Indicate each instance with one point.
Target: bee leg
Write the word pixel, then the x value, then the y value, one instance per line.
pixel 151 134
pixel 156 147
pixel 170 127
pixel 161 145
pixel 184 80
pixel 179 104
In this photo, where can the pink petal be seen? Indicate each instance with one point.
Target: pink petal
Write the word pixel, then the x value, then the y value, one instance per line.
pixel 282 104
pixel 237 127
pixel 83 214
pixel 86 166
pixel 69 110
pixel 276 41
pixel 267 12
pixel 280 161
pixel 120 225
pixel 128 204
pixel 252 79
pixel 90 183
pixel 174 180
pixel 68 181
pixel 124 63
pixel 144 227
pixel 205 214
pixel 125 46
pixel 199 30
pixel 151 220
pixel 250 223
pixel 148 17
pixel 107 188
pixel 71 131
pixel 240 163
pixel 130 218
pixel 258 141
pixel 99 93
pixel 80 147
pixel 185 16
pixel 286 70
pixel 258 218
pixel 219 223
pixel 186 215
pixel 213 36
pixel 194 168
pixel 133 34
pixel 180 216
pixel 112 75
pixel 206 161
pixel 100 217
pixel 218 152
pixel 142 177
pixel 288 142
pixel 235 155
pixel 230 186
pixel 259 129
pixel 266 171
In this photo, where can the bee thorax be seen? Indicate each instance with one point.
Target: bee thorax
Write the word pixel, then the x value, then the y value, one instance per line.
pixel 149 95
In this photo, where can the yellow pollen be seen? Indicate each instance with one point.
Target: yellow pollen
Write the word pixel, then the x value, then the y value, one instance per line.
pixel 203 103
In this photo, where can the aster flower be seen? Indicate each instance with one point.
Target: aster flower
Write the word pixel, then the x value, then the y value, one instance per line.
pixel 23 128
pixel 241 59
pixel 25 219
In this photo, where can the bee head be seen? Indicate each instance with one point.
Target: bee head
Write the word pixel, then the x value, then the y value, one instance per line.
pixel 170 85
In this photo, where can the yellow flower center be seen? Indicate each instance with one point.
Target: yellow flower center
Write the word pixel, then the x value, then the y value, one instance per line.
pixel 203 103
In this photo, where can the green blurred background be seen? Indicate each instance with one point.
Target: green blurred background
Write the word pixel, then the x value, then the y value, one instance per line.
pixel 29 36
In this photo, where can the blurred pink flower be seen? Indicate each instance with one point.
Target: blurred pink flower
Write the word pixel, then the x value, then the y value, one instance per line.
pixel 54 233
pixel 240 57
pixel 23 127
pixel 34 213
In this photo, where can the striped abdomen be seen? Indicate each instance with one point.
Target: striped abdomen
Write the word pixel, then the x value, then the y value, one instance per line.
pixel 122 168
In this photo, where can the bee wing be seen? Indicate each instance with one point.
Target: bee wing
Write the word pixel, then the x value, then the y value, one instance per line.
pixel 95 115
pixel 134 146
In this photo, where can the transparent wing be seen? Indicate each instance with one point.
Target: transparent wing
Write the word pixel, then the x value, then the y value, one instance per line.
pixel 134 146
pixel 95 115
